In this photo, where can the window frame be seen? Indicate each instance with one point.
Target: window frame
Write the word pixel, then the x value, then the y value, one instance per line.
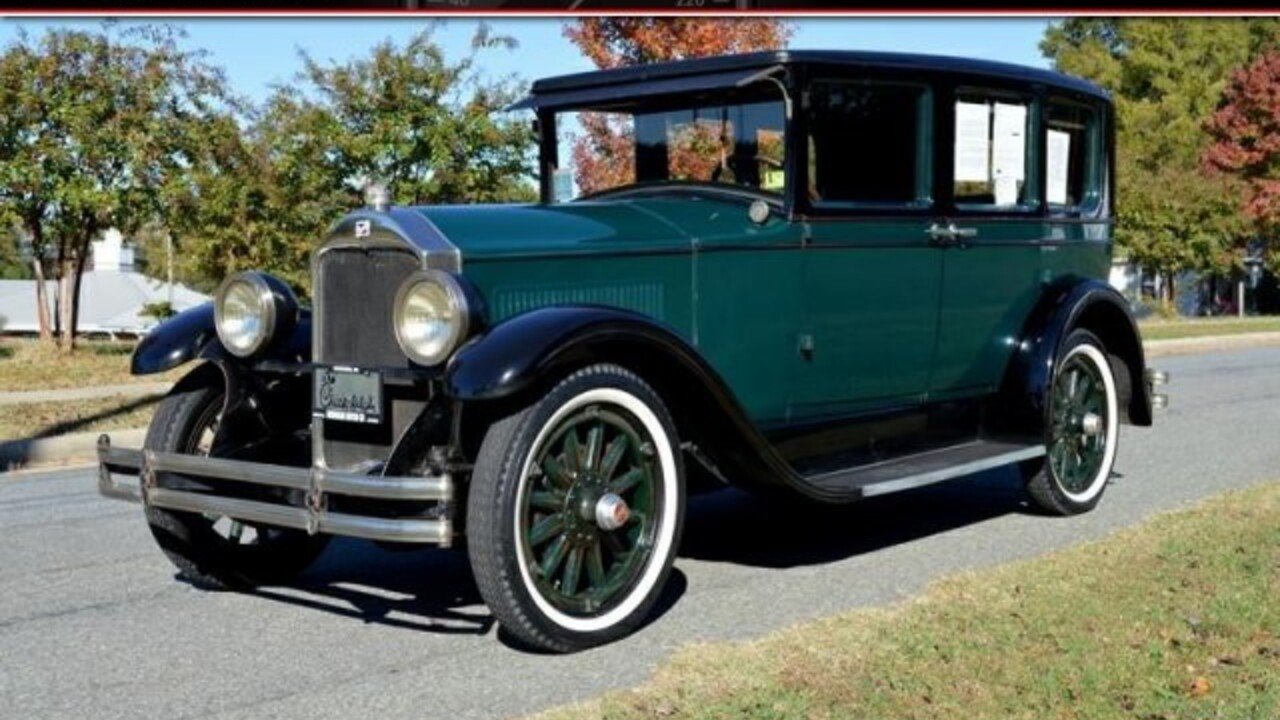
pixel 1033 98
pixel 1096 191
pixel 925 181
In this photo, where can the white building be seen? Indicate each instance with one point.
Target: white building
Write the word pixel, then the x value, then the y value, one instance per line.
pixel 112 295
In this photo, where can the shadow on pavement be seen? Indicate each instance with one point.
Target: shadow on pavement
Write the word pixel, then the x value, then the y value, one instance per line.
pixel 432 590
pixel 734 526
pixel 429 590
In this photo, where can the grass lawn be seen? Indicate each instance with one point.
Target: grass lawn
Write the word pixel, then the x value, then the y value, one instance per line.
pixel 27 364
pixel 47 419
pixel 1202 327
pixel 1176 618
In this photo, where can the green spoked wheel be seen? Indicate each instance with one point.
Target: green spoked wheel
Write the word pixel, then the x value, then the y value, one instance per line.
pixel 1082 429
pixel 575 511
pixel 587 528
pixel 1078 437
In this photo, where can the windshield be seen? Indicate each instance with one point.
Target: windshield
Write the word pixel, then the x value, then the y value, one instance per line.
pixel 738 145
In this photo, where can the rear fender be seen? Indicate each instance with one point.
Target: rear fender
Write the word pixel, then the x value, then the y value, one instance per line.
pixel 1076 303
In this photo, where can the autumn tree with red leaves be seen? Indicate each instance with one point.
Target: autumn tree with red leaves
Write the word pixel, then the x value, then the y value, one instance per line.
pixel 1246 137
pixel 602 155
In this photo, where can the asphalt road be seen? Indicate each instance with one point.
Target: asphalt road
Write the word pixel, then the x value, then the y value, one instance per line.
pixel 93 623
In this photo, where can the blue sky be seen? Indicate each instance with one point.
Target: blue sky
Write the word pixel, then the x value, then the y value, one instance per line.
pixel 259 52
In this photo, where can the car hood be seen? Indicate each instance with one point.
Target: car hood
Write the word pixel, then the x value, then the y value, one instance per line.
pixel 585 227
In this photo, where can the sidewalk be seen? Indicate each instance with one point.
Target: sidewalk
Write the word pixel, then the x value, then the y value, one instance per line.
pixel 1209 343
pixel 18 397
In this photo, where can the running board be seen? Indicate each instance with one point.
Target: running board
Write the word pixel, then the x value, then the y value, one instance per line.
pixel 924 468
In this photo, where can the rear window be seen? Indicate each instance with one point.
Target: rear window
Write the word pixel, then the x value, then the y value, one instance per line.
pixel 1073 156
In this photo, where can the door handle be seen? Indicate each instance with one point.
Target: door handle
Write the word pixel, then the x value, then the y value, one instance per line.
pixel 949 235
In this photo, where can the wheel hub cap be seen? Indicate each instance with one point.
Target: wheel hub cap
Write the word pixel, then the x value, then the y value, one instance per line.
pixel 611 512
pixel 1091 424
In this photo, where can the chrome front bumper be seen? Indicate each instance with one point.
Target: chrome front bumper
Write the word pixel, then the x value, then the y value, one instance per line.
pixel 316 483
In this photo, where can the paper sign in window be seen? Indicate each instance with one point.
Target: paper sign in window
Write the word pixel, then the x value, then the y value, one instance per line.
pixel 1009 155
pixel 1057 152
pixel 973 142
pixel 1006 191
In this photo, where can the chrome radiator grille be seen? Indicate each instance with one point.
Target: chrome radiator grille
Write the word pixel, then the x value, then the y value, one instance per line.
pixel 355 297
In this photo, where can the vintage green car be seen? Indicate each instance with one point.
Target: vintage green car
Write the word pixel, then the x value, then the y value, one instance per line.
pixel 833 274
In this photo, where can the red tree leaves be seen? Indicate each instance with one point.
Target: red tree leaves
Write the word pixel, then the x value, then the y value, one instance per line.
pixel 612 42
pixel 603 155
pixel 1246 136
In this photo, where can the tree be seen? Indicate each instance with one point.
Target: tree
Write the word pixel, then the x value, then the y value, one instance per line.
pixel 1167 76
pixel 612 42
pixel 1246 137
pixel 427 127
pixel 602 152
pixel 92 129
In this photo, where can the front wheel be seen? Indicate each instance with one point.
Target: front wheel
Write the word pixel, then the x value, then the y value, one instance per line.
pixel 575 511
pixel 1082 431
pixel 212 551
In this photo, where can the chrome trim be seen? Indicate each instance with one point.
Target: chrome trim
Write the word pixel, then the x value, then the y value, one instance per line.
pixel 439 532
pixel 315 482
pixel 457 298
pixel 1157 377
pixel 955 471
pixel 266 305
pixel 383 487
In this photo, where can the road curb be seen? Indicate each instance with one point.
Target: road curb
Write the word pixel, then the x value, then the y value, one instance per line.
pixel 1209 343
pixel 61 450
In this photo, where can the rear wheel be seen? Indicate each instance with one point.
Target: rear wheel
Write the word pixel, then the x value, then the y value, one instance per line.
pixel 1082 431
pixel 575 511
pixel 217 552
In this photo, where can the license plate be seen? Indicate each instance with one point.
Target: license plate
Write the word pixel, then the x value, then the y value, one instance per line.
pixel 348 395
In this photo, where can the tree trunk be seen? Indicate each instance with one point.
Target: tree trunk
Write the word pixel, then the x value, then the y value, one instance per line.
pixel 42 299
pixel 37 265
pixel 66 303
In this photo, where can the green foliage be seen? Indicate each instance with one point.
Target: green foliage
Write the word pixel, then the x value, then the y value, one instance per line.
pixel 161 310
pixel 13 264
pixel 95 125
pixel 405 116
pixel 1167 76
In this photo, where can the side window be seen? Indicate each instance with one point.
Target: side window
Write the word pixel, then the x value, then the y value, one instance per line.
pixel 993 163
pixel 869 144
pixel 1073 156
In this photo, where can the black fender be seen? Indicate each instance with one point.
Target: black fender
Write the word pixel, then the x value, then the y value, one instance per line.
pixel 530 351
pixel 1065 306
pixel 191 335
pixel 257 412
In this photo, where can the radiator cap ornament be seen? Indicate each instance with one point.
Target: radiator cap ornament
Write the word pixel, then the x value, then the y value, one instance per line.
pixel 377 197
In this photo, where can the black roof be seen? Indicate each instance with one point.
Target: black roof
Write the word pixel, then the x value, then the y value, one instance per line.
pixel 703 73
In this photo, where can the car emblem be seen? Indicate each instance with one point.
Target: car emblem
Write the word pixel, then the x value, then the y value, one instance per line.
pixel 363 228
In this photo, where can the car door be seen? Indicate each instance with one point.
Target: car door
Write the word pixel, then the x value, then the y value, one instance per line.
pixel 871 274
pixel 993 236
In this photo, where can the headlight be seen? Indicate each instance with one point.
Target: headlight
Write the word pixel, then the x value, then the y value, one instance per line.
pixel 431 316
pixel 248 311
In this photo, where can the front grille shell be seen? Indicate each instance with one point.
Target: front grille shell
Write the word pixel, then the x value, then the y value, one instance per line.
pixel 355 290
pixel 355 302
